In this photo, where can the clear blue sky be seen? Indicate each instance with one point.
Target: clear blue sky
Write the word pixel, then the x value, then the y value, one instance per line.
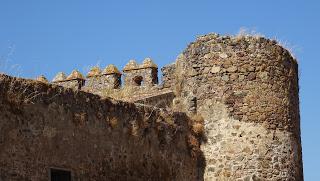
pixel 44 37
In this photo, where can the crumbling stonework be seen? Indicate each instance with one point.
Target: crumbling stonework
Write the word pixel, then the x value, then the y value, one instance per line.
pixel 168 75
pixel 227 109
pixel 246 89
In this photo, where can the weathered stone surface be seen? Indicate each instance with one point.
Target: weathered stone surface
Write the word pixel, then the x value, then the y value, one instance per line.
pixel 215 69
pixel 75 74
pixel 144 75
pixel 59 77
pixel 94 138
pixel 232 69
pixel 168 77
pixel 252 112
pixel 111 69
pixel 94 71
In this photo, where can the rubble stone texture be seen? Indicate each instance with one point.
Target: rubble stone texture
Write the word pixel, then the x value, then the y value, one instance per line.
pixel 244 89
pixel 97 81
pixel 247 91
pixel 145 75
pixel 74 81
pixel 93 138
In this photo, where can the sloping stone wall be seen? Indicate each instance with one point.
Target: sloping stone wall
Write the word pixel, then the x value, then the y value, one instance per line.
pixel 45 126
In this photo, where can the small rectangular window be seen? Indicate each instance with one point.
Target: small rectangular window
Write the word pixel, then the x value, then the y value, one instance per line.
pixel 59 175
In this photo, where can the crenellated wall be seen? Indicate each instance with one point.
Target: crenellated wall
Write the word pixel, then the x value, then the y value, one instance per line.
pixel 140 81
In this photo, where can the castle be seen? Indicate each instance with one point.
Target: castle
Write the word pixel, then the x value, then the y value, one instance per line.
pixel 226 109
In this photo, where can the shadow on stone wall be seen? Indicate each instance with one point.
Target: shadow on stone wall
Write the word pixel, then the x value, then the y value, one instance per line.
pixel 46 126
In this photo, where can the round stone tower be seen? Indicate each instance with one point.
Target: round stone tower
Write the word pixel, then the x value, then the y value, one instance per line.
pixel 246 89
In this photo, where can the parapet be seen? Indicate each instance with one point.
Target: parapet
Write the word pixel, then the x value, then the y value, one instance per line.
pixel 99 81
pixel 145 75
pixel 42 78
pixel 74 81
pixel 59 77
pixel 75 75
pixel 142 78
pixel 94 71
pixel 148 63
pixel 111 69
pixel 131 65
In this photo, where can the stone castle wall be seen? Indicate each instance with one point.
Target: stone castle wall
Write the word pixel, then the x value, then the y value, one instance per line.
pixel 46 126
pixel 246 90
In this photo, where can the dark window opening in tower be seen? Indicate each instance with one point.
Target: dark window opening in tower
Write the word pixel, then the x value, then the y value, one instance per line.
pixel 138 80
pixel 60 175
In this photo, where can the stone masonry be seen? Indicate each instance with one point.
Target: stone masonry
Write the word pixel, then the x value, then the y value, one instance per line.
pixel 45 127
pixel 226 109
pixel 246 89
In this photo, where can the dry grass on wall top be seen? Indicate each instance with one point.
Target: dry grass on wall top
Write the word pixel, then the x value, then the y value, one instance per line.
pixel 247 32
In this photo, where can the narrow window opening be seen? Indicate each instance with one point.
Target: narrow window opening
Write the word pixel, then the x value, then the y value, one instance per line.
pixel 138 80
pixel 60 175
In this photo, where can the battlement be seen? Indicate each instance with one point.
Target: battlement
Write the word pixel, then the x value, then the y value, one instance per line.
pixel 107 82
pixel 145 74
